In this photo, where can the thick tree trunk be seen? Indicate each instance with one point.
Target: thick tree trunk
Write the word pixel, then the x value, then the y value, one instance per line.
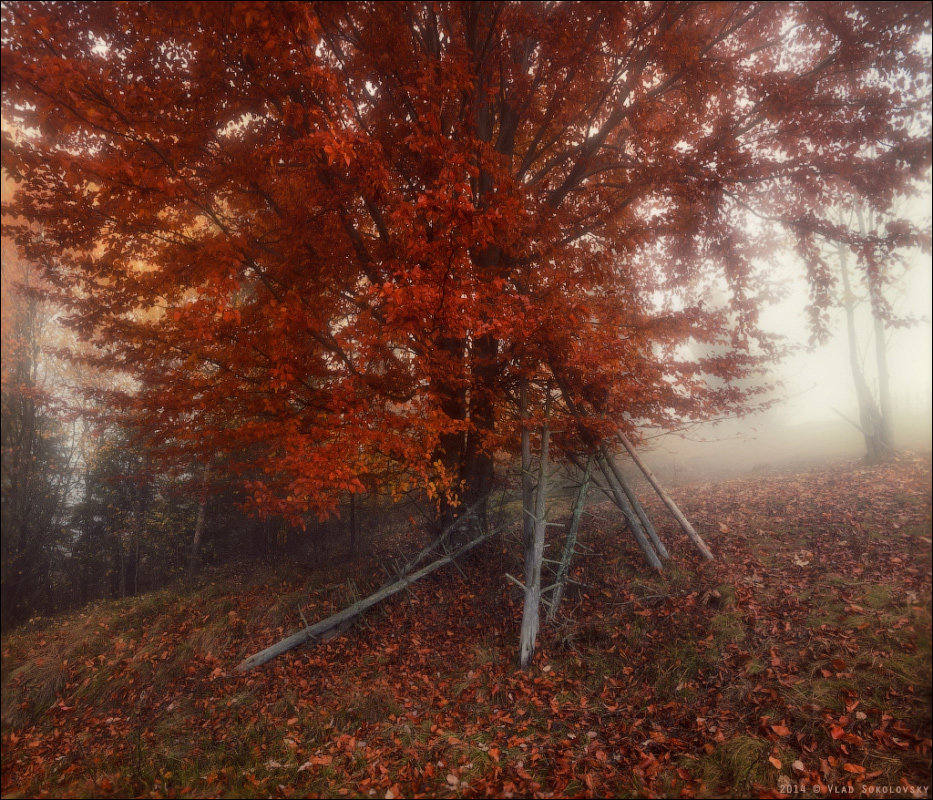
pixel 336 621
pixel 666 498
pixel 570 542
pixel 534 555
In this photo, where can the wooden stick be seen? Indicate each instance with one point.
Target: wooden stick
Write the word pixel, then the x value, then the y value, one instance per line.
pixel 325 626
pixel 639 510
pixel 440 540
pixel 633 522
pixel 570 542
pixel 671 505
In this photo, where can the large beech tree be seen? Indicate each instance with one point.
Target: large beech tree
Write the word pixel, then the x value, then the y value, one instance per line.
pixel 336 241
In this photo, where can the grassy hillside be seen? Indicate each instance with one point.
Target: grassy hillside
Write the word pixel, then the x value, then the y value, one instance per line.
pixel 800 660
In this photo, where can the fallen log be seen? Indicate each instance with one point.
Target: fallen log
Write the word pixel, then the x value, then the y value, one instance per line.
pixel 320 629
pixel 665 497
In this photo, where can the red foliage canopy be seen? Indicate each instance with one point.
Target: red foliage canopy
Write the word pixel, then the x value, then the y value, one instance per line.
pixel 332 239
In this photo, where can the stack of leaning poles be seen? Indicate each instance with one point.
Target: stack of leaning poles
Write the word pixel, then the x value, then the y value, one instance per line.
pixel 440 553
pixel 614 485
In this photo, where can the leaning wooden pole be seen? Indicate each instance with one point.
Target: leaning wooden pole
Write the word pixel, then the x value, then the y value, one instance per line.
pixel 625 507
pixel 638 508
pixel 570 542
pixel 665 497
pixel 439 541
pixel 534 555
pixel 325 626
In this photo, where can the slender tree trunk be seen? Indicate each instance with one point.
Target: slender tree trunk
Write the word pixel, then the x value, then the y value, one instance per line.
pixel 136 570
pixel 528 524
pixel 199 523
pixel 886 422
pixel 534 555
pixel 570 542
pixel 884 385
pixel 869 416
pixel 478 471
pixel 451 450
pixel 352 524
pixel 667 500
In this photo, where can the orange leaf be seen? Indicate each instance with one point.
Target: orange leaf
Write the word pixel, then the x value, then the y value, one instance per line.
pixel 853 768
pixel 781 730
pixel 836 732
pixel 775 762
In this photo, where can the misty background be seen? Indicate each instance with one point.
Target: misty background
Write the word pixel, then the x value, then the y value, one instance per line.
pixel 804 425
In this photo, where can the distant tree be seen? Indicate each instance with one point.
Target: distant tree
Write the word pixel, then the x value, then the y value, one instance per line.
pixel 38 451
pixel 869 278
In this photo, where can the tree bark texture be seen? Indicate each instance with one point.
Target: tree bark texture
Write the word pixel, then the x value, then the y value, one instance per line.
pixel 534 555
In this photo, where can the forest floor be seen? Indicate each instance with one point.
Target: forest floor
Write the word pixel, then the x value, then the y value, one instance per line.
pixel 796 664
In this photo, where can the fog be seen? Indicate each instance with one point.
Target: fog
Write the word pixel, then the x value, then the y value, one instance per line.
pixel 803 427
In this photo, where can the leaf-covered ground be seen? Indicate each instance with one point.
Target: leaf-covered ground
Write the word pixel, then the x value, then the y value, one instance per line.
pixel 798 661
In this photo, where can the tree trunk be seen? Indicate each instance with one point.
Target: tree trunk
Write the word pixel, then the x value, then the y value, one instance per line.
pixel 668 501
pixel 136 570
pixel 868 414
pixel 570 542
pixel 528 523
pixel 886 420
pixel 199 526
pixel 884 385
pixel 352 524
pixel 534 555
